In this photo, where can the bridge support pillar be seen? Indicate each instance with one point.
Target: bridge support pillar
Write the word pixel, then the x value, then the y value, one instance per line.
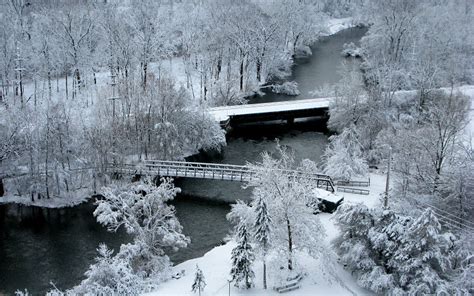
pixel 290 120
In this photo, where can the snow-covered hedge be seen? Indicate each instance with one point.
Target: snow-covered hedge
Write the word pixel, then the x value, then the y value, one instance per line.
pixel 351 50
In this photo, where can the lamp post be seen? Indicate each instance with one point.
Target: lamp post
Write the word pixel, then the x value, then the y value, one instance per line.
pixel 229 280
pixel 113 99
pixel 387 181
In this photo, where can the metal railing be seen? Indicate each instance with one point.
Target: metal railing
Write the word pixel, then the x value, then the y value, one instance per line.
pixel 214 171
pixel 353 183
pixel 353 190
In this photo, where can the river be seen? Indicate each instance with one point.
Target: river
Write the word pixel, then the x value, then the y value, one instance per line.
pixel 38 245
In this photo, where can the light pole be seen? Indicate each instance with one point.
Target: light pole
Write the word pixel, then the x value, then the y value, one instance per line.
pixel 113 99
pixel 229 280
pixel 387 181
pixel 19 75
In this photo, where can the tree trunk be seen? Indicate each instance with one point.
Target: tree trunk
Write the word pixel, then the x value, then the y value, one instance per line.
pixel 78 78
pixel 2 189
pixel 295 43
pixel 259 68
pixel 50 88
pixel 145 71
pixel 219 68
pixel 264 274
pixel 35 93
pixel 290 244
pixel 242 74
pixel 66 88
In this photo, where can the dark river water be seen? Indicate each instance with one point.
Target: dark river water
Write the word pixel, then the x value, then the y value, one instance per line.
pixel 39 246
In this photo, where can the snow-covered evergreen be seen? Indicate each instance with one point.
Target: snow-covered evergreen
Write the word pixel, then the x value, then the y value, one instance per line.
pixel 262 232
pixel 394 254
pixel 242 259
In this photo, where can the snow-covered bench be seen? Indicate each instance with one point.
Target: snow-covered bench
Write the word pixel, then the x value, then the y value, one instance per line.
pixel 291 284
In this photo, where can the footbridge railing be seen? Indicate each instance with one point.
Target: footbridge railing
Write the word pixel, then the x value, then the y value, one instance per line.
pixel 214 171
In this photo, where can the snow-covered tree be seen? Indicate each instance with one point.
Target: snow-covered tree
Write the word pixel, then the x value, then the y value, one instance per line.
pixel 344 159
pixel 110 275
pixel 199 281
pixel 143 211
pixel 262 232
pixel 395 254
pixel 286 197
pixel 242 259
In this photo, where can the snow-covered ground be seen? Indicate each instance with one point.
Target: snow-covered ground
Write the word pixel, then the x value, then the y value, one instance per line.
pixel 335 25
pixel 72 199
pixel 468 90
pixel 324 276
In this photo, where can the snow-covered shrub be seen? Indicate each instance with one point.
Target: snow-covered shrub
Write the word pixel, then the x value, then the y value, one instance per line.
pixel 280 67
pixel 343 157
pixel 289 88
pixel 351 50
pixel 110 276
pixel 394 254
pixel 202 132
pixel 303 51
pixel 226 94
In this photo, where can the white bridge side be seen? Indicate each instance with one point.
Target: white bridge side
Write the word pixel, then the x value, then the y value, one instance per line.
pixel 222 114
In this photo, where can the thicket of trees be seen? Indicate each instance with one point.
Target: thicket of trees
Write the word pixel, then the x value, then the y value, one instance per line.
pixel 411 50
pixel 86 84
pixel 404 106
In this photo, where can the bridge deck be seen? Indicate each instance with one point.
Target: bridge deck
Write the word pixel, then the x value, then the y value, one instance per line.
pixel 222 114
pixel 212 171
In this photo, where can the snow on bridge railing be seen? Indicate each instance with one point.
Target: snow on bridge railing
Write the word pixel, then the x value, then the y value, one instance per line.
pixel 244 168
pixel 231 172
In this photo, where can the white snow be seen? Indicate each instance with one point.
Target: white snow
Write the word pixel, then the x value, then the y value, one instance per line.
pixel 338 24
pixel 72 199
pixel 321 279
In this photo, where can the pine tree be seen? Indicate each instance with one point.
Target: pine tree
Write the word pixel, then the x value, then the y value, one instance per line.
pixel 262 228
pixel 242 259
pixel 199 281
pixel 423 261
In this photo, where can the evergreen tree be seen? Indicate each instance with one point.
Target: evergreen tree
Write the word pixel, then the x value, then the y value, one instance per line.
pixel 242 259
pixel 423 259
pixel 199 281
pixel 262 229
pixel 393 254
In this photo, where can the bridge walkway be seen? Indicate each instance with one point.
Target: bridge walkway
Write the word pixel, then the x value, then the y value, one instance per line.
pixel 213 171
